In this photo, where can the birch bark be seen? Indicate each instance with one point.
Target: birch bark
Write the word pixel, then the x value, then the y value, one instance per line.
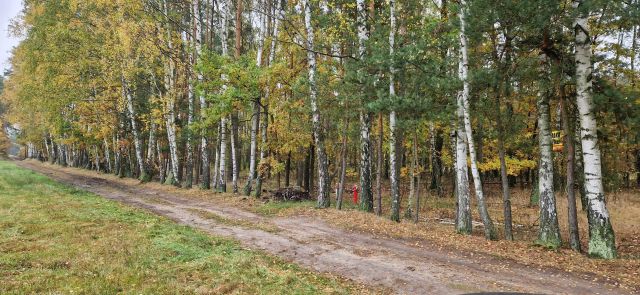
pixel 489 230
pixel 170 117
pixel 549 233
pixel 601 235
pixel 395 191
pixel 264 125
pixel 323 176
pixel 126 93
pixel 366 201
pixel 463 216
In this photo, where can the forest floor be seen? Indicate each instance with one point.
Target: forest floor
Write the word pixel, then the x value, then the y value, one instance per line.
pixel 403 258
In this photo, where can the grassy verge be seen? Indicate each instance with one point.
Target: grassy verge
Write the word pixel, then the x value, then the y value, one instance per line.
pixel 236 222
pixel 57 239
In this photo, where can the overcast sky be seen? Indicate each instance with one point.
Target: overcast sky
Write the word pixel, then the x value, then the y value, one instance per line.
pixel 8 10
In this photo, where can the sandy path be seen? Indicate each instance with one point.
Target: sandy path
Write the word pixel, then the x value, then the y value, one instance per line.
pixel 392 264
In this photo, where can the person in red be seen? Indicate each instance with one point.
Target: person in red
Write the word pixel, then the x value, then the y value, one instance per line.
pixel 355 193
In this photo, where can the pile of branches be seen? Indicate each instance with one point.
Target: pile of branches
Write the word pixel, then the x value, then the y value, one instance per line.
pixel 290 194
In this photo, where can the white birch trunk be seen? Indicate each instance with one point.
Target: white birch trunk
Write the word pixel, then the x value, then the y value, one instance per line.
pixel 366 202
pixel 395 190
pixel 463 216
pixel 205 175
pixel 222 179
pixel 216 161
pixel 107 155
pixel 549 233
pixel 126 93
pixel 601 235
pixel 234 157
pixel 221 182
pixel 151 146
pixel 489 230
pixel 256 122
pixel 170 117
pixel 224 10
pixel 324 200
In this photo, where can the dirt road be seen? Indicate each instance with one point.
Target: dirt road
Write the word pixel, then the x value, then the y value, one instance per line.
pixel 391 264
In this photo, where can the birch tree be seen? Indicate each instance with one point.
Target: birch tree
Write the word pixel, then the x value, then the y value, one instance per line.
pixel 222 162
pixel 463 214
pixel 366 201
pixel 170 117
pixel 489 231
pixel 323 174
pixel 264 124
pixel 393 166
pixel 255 118
pixel 205 174
pixel 601 235
pixel 190 60
pixel 549 233
pixel 137 142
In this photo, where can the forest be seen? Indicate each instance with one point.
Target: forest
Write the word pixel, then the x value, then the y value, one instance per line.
pixel 406 102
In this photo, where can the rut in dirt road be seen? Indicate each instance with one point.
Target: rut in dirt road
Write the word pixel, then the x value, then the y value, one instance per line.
pixel 391 264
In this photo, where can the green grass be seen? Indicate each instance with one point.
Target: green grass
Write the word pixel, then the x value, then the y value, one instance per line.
pixel 236 222
pixel 58 239
pixel 274 208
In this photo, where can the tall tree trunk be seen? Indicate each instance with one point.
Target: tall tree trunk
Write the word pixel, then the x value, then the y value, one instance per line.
pixel 262 173
pixel 287 170
pixel 366 199
pixel 188 179
pixel 436 143
pixel 299 173
pixel 395 190
pixel 506 192
pixel 117 161
pixel 411 202
pixel 151 147
pixel 216 161
pixel 126 94
pixel 489 231
pixel 170 117
pixel 417 180
pixel 549 234
pixel 205 162
pixel 308 166
pixel 234 116
pixel 255 123
pixel 574 235
pixel 222 179
pixel 379 165
pixel 238 27
pixel 96 158
pixel 107 155
pixel 234 152
pixel 343 165
pixel 463 212
pixel 324 200
pixel 601 235
pixel 172 138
